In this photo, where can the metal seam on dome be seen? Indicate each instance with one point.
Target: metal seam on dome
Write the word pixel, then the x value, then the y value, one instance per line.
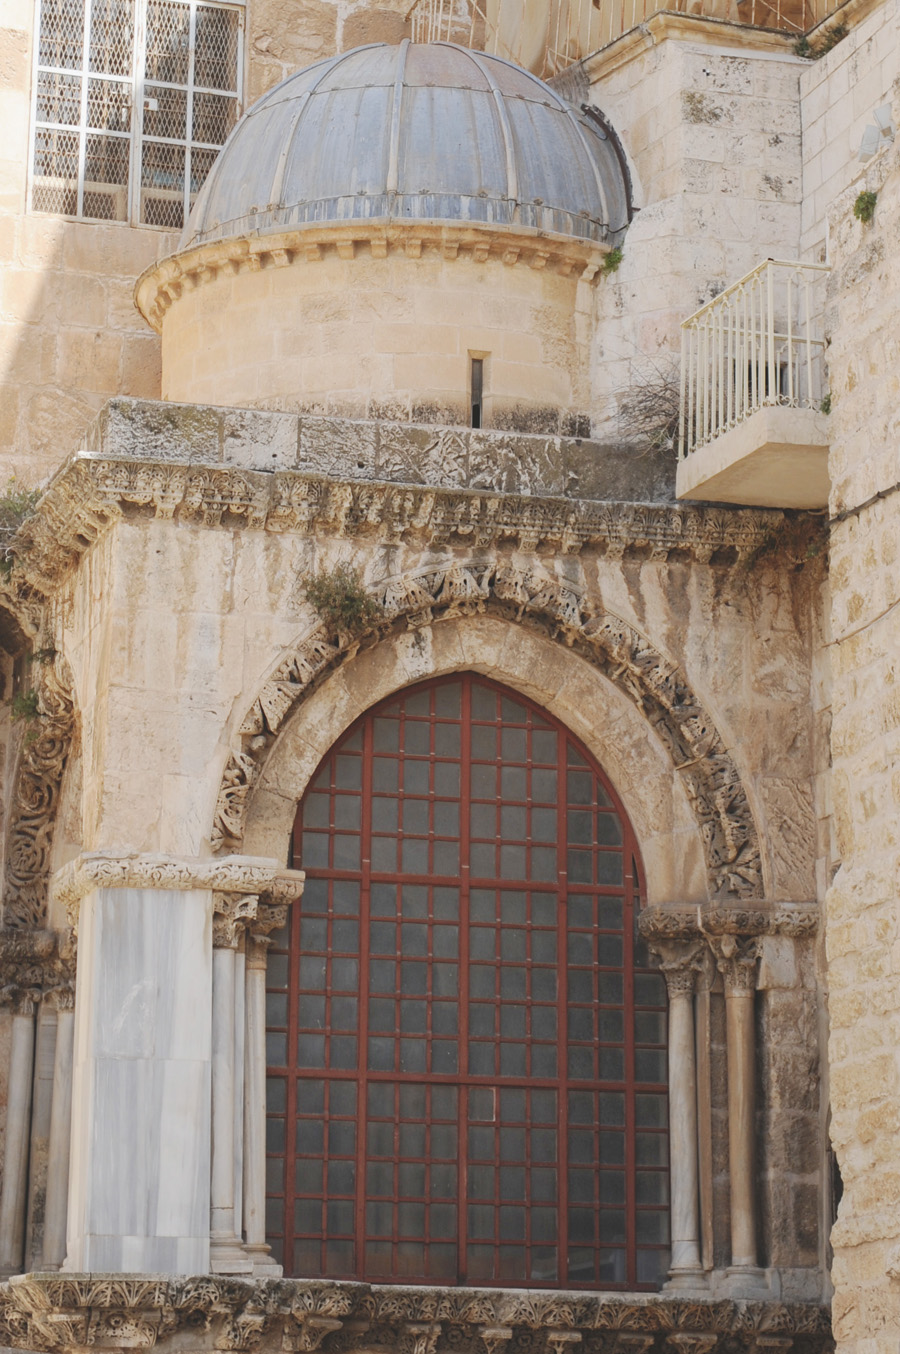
pixel 594 165
pixel 278 177
pixel 512 171
pixel 393 174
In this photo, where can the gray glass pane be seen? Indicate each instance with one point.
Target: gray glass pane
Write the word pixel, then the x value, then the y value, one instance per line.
pixel 580 827
pixel 445 980
pixel 413 978
pixel 650 1111
pixel 481 1182
pixel 446 779
pixel 482 861
pixel 650 1065
pixel 412 1140
pixel 411 1219
pixel 581 1226
pixel 612 1148
pixel 345 935
pixel 544 745
pixel 543 1060
pixel 610 1026
pixel 310 1137
pixel 444 1057
pixel 382 975
pixel 446 740
pixel 543 984
pixel 444 1103
pixel 348 772
pixel 381 1055
pixel 379 1218
pixel 382 1015
pixel 484 743
pixel 480 1222
pixel 344 1013
pixel 447 698
pixel 513 862
pixel 611 1065
pixel 651 1149
pixel 311 1050
pixel 413 1017
pixel 513 746
pixel 413 1101
pixel 513 783
pixel 650 1027
pixel 384 814
pixel 445 942
pixel 309 1176
pixel 444 1018
pixel 313 935
pixel 512 1223
pixel 277 970
pixel 609 914
pixel 649 990
pixel 611 989
pixel 348 812
pixel 385 774
pixel 414 939
pixel 543 1144
pixel 544 787
pixel 380 1140
pixel 386 735
pixel 580 948
pixel 415 778
pixel 413 1055
pixel 513 1022
pixel 609 867
pixel 608 829
pixel 384 900
pixel 611 1186
pixel 611 1106
pixel 652 1227
pixel 411 1179
pixel 442 1181
pixel 513 946
pixel 651 1187
pixel 414 856
pixel 317 810
pixel 314 852
pixel 380 1179
pixel 446 819
pixel 384 853
pixel 276 1008
pixel 341 1177
pixel 543 1224
pixel 581 1023
pixel 512 1184
pixel 414 900
pixel 274 1135
pixel 416 738
pixel 484 702
pixel 442 1220
pixel 344 975
pixel 381 1100
pixel 579 787
pixel 415 816
pixel 543 1185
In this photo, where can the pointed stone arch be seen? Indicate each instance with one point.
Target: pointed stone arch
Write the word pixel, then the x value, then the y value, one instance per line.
pixel 560 607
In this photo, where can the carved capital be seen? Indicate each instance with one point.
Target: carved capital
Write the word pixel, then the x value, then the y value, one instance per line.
pixel 236 874
pixel 689 1342
pixel 563 1341
pixel 753 918
pixel 669 921
pixel 306 1332
pixel 232 914
pixel 736 959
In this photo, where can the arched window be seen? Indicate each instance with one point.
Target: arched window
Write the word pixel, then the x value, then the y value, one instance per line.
pixel 466 1049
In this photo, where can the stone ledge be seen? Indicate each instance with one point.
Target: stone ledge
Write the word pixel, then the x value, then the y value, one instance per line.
pixel 49 1312
pixel 383 449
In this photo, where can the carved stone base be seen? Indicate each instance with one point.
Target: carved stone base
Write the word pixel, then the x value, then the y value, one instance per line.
pixel 265 1266
pixel 227 1256
pixel 748 1281
pixel 686 1281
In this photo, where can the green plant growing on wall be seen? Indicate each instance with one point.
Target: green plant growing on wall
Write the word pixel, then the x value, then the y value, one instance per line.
pixel 16 504
pixel 340 598
pixel 613 259
pixel 814 50
pixel 24 706
pixel 825 405
pixel 864 207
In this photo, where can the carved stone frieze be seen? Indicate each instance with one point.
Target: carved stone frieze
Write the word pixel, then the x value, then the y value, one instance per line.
pixel 557 605
pixel 246 876
pixel 671 923
pixel 72 1312
pixel 94 491
pixel 38 781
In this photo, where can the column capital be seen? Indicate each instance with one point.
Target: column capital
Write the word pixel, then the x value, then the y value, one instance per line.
pixel 736 959
pixel 258 876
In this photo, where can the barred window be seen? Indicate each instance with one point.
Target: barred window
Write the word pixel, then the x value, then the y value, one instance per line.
pixel 133 99
pixel 466 1045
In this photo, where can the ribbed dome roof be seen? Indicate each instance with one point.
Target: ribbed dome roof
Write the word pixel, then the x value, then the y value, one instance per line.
pixel 416 132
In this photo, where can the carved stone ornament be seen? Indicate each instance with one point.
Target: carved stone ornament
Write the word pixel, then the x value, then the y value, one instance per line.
pixel 73 1312
pixel 736 958
pixel 665 923
pixel 558 606
pixel 36 963
pixel 38 781
pixel 258 876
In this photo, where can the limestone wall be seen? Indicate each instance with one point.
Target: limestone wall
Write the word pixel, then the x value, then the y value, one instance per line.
pixel 839 94
pixel 69 334
pixel 863 917
pixel 387 328
pixel 708 113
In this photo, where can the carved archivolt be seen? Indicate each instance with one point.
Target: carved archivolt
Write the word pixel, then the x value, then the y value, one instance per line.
pixel 59 1313
pixel 45 751
pixel 532 596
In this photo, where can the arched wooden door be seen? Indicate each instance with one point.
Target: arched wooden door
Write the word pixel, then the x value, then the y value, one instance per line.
pixel 466 1048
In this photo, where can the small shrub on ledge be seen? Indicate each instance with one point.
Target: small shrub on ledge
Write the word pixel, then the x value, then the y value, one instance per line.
pixel 864 207
pixel 340 598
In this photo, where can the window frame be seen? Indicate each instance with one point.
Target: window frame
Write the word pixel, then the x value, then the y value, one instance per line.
pixel 464 1078
pixel 136 138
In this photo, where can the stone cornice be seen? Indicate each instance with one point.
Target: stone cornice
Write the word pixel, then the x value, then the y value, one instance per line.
pixel 668 922
pixel 666 25
pixel 67 1312
pixel 244 876
pixel 166 281
pixel 92 491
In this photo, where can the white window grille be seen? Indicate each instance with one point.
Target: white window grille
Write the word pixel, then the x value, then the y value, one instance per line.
pixel 133 99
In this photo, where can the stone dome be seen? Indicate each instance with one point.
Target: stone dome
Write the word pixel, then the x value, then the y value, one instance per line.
pixel 427 132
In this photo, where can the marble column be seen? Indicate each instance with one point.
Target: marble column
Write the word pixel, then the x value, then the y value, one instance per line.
pixel 736 958
pixel 264 1266
pixel 141 1075
pixel 680 969
pixel 60 1134
pixel 18 1129
pixel 226 1254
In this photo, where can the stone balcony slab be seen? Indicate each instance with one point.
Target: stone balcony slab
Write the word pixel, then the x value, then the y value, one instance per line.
pixel 776 458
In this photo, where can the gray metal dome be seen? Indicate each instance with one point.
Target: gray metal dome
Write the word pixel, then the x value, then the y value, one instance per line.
pixel 417 132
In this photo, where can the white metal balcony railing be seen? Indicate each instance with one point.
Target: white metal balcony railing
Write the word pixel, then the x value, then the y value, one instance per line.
pixel 546 36
pixel 758 343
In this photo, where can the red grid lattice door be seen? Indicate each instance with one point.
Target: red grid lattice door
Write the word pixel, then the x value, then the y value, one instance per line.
pixel 466 1047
